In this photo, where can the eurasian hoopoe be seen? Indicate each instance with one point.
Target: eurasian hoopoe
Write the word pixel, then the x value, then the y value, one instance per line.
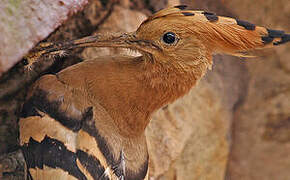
pixel 88 121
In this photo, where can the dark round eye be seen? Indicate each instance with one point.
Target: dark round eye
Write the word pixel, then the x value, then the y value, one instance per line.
pixel 169 38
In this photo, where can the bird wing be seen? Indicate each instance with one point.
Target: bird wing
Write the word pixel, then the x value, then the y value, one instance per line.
pixel 58 135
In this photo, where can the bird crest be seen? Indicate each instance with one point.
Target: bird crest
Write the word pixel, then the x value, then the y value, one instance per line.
pixel 221 34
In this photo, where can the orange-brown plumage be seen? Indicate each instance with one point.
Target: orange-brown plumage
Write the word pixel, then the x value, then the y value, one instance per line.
pixel 105 104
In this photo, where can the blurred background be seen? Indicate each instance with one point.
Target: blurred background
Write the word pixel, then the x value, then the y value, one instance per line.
pixel 234 125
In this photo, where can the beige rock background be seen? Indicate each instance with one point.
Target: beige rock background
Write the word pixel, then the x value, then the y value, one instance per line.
pixel 261 127
pixel 236 123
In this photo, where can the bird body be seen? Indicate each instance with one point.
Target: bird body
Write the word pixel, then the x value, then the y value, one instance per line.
pixel 88 121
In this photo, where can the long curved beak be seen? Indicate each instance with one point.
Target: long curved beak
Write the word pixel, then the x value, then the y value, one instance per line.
pixel 108 40
pixel 124 40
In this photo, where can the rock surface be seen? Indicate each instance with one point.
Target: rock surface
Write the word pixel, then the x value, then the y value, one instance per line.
pixel 261 128
pixel 25 23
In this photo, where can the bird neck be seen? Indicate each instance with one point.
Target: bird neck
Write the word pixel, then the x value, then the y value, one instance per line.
pixel 140 87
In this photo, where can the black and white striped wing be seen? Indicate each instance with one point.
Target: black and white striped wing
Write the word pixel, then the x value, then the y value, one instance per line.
pixel 59 138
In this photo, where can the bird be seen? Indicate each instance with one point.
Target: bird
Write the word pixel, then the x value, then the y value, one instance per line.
pixel 88 120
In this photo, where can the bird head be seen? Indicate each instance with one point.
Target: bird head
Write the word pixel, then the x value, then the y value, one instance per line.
pixel 184 38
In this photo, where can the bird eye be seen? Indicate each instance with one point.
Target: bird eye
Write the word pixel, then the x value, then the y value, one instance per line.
pixel 169 38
